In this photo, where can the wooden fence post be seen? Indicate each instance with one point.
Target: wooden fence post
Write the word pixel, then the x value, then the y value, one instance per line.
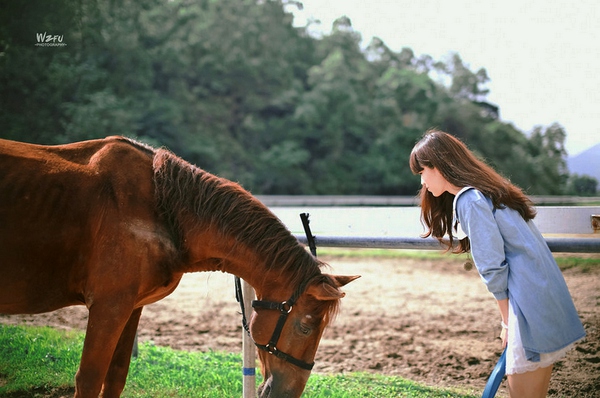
pixel 248 347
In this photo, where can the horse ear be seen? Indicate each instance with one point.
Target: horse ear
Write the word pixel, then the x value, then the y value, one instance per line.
pixel 343 280
pixel 327 291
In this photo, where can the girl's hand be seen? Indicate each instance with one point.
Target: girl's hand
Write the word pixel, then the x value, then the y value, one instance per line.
pixel 504 334
pixel 503 307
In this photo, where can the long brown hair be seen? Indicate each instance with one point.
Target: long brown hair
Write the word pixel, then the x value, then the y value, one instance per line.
pixel 461 168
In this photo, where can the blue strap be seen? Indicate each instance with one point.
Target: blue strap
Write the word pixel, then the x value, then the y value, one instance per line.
pixel 496 377
pixel 249 371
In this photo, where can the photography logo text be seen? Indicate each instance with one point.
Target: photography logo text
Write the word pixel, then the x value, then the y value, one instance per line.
pixel 46 40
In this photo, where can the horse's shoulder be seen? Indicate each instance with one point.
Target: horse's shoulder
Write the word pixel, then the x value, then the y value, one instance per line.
pixel 81 153
pixel 118 153
pixel 113 151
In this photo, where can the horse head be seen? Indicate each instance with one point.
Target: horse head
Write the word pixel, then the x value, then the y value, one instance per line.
pixel 288 333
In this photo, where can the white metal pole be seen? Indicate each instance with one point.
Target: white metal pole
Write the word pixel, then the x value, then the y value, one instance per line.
pixel 248 347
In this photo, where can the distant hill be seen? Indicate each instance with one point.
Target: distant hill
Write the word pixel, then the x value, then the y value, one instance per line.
pixel 587 162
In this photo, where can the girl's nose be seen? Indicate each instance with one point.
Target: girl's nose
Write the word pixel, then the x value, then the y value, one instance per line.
pixel 422 182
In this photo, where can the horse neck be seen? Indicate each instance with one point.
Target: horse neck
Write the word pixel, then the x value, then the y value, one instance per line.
pixel 211 250
pixel 218 226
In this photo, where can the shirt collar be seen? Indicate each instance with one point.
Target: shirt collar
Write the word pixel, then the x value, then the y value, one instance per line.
pixel 463 190
pixel 455 222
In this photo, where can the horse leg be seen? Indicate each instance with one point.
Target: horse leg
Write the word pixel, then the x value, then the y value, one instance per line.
pixel 105 325
pixel 119 366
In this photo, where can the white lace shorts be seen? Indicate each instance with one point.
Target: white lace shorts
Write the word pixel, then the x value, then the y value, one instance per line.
pixel 516 361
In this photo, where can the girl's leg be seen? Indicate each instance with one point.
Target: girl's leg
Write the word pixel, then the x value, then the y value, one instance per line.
pixel 532 384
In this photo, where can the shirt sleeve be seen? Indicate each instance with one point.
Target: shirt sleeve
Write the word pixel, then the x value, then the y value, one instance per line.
pixel 476 216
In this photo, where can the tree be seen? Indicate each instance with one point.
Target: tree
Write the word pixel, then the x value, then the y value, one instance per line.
pixel 466 84
pixel 548 159
pixel 233 87
pixel 334 113
pixel 582 185
pixel 35 80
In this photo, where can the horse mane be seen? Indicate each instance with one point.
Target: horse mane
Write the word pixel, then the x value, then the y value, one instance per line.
pixel 189 195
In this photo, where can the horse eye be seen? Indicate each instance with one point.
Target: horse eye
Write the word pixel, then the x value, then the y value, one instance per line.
pixel 304 329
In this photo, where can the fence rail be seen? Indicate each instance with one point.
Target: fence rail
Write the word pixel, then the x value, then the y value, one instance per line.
pixel 378 200
pixel 560 245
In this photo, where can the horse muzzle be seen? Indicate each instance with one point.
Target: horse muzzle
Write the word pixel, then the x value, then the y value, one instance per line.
pixel 271 388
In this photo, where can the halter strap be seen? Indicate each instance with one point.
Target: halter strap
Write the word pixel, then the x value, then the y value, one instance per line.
pixel 284 307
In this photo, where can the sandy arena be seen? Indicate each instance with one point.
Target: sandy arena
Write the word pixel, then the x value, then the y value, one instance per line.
pixel 429 321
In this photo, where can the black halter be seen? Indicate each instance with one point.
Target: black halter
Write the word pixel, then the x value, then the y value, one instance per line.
pixel 284 309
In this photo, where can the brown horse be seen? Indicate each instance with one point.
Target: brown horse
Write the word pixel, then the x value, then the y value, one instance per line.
pixel 113 225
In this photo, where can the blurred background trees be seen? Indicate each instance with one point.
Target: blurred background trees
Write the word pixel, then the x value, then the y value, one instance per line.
pixel 233 87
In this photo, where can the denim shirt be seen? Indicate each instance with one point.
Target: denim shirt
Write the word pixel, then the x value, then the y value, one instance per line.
pixel 515 262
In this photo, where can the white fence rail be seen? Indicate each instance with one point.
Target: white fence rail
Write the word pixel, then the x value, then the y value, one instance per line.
pixel 375 200
pixel 567 229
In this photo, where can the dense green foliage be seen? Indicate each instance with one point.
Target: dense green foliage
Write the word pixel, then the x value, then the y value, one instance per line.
pixel 233 87
pixel 582 185
pixel 38 360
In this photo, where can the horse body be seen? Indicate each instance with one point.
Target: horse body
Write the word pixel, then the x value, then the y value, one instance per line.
pixel 63 216
pixel 113 225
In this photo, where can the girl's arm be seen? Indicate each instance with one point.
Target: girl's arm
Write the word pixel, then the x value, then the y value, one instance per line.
pixel 503 307
pixel 476 215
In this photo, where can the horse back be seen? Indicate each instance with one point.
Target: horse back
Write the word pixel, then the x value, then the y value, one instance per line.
pixel 67 214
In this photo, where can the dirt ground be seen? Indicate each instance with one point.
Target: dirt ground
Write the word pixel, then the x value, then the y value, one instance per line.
pixel 429 321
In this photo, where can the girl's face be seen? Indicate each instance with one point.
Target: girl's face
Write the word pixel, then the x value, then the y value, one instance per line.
pixel 432 179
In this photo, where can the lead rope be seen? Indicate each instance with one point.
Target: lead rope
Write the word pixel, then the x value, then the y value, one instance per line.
pixel 239 296
pixel 309 236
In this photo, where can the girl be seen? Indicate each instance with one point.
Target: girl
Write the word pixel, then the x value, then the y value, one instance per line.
pixel 461 193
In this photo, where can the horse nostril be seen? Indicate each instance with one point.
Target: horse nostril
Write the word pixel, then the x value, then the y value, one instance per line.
pixel 264 390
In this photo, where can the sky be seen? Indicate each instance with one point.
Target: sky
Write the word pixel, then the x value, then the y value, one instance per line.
pixel 542 56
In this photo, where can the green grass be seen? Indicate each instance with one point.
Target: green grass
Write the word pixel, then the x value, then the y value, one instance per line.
pixel 34 361
pixel 584 264
pixel 164 372
pixel 368 385
pixel 37 357
pixel 334 252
